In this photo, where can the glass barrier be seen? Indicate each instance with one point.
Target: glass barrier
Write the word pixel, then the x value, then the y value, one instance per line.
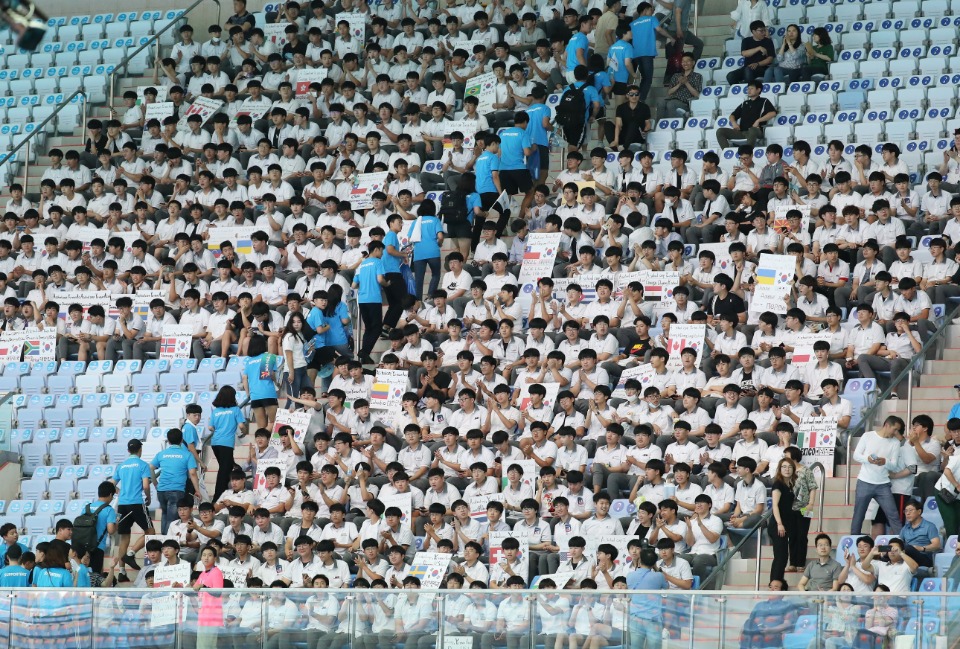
pixel 7 412
pixel 473 619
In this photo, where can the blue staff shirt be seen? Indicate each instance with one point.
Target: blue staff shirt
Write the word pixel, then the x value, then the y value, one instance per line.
pixel 259 388
pixel 577 42
pixel 487 163
pixel 513 140
pixel 368 291
pixel 337 334
pixel 644 29
pixel 175 463
pixel 14 577
pixel 391 264
pixel 225 422
pixel 538 134
pixel 617 57
pixel 428 247
pixel 129 477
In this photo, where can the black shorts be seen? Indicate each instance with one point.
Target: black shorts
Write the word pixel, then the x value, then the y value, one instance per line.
pixel 128 515
pixel 263 403
pixel 620 88
pixel 575 135
pixel 460 230
pixel 515 181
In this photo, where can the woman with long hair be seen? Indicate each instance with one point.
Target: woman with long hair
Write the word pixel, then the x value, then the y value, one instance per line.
pixel 782 525
pixel 292 343
pixel 791 57
pixel 426 252
pixel 819 54
pixel 51 571
pixel 805 490
pixel 337 317
pixel 227 422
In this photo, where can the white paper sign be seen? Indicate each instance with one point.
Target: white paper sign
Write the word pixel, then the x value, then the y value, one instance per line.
pixel 260 479
pixel 430 568
pixel 364 187
pixel 549 399
pixel 496 553
pixel 275 33
pixel 484 88
pixel 85 299
pixel 161 91
pixel 388 389
pixel 659 284
pixel 158 111
pixel 163 610
pixel 176 341
pixel 306 77
pixel 774 277
pixel 238 235
pixel 402 501
pixel 167 576
pixel 539 257
pixel 681 337
pixel 619 541
pixel 643 373
pixel 236 574
pixel 478 506
pixel 817 441
pixel 298 419
pixel 201 106
pixel 723 263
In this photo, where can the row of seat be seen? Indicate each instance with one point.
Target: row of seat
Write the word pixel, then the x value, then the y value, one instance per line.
pixel 856 11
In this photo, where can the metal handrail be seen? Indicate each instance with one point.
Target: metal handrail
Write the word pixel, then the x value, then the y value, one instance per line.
pixel 722 566
pixel 155 39
pixel 868 416
pixel 27 141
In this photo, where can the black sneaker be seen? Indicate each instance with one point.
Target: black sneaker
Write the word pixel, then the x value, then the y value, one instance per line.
pixel 131 561
pixel 366 360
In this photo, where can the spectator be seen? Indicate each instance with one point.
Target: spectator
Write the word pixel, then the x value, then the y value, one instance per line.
pixel 746 14
pixel 784 524
pixel 878 453
pixel 749 118
pixel 791 57
pixel 758 53
pixel 683 88
pixel 897 571
pixel 819 55
pixel 824 573
pixel 630 125
pixel 645 28
pixel 770 619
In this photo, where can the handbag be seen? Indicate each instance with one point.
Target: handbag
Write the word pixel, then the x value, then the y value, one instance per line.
pixel 947 495
pixel 408 277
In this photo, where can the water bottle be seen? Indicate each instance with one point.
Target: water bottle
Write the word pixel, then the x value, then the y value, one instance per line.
pixel 669 488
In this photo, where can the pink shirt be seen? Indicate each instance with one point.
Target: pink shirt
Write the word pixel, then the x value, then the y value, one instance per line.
pixel 211 610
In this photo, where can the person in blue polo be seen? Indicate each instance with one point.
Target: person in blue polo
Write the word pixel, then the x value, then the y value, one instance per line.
pixel 176 465
pixel 577 46
pixel 540 123
pixel 574 136
pixel 487 171
pixel 516 145
pixel 644 29
pixel 132 477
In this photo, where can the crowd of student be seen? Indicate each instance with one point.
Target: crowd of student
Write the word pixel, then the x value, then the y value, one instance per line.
pixel 477 352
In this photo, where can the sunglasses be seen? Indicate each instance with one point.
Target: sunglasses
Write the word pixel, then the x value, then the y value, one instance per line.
pixel 633 94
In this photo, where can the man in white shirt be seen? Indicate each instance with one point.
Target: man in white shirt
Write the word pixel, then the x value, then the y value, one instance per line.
pixel 897 572
pixel 878 453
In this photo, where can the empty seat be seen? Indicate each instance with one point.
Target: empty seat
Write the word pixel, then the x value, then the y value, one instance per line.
pixel 33 489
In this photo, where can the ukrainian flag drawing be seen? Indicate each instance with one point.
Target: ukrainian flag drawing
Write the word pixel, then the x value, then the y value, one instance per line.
pixel 766 276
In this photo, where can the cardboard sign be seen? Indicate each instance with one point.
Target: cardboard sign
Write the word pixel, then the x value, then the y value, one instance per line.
pixel 162 92
pixel 32 345
pixel 484 88
pixel 681 337
pixel 236 574
pixel 358 24
pixel 723 263
pixel 774 280
pixel 275 33
pixel 539 257
pixel 167 576
pixel 780 224
pixel 176 341
pixel 496 553
pixel 530 473
pixel 163 610
pixel 141 303
pixel 817 441
pixel 523 401
pixel 619 541
pixel 201 106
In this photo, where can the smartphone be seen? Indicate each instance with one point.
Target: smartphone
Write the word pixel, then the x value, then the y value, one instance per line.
pixel 883 549
pixel 913 469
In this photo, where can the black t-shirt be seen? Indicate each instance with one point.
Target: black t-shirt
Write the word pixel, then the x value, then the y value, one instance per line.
pixel 732 304
pixel 442 380
pixel 751 110
pixel 786 502
pixel 289 50
pixel 640 348
pixel 633 121
pixel 750 43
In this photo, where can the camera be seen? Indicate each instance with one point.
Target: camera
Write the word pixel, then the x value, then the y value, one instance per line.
pixel 24 20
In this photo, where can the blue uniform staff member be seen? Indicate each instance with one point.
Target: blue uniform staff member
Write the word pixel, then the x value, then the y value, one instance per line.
pixel 646 614
pixel 516 146
pixel 133 477
pixel 370 276
pixel 176 465
pixel 577 46
pixel 644 29
pixel 576 134
pixel 539 125
pixel 487 170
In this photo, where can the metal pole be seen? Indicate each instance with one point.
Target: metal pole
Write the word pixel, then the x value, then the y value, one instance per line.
pixel 846 491
pixel 263 621
pixel 93 620
pixel 910 395
pixel 692 627
pixel 756 578
pixel 26 166
pixel 723 621
pixel 441 617
pixel 83 116
pixel 352 618
pixel 696 16
pixel 920 621
pixel 820 604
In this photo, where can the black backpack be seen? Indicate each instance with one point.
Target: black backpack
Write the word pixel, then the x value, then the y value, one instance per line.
pixel 572 108
pixel 453 208
pixel 85 527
